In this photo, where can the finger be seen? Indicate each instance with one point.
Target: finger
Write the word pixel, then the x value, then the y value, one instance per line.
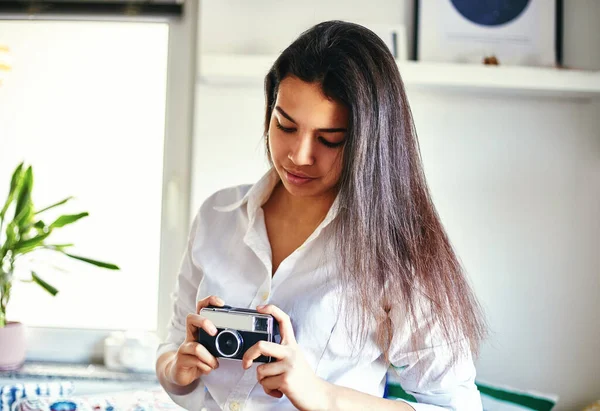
pixel 265 348
pixel 210 300
pixel 285 324
pixel 272 385
pixel 273 393
pixel 270 369
pixel 195 321
pixel 187 362
pixel 203 368
pixel 201 353
pixel 206 357
pixel 191 361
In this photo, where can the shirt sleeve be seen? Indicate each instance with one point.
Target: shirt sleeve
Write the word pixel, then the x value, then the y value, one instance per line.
pixel 430 373
pixel 184 303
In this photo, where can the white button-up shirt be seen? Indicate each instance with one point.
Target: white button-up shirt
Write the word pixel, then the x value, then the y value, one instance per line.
pixel 229 255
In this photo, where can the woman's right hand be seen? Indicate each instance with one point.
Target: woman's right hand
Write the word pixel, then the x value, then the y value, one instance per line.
pixel 193 360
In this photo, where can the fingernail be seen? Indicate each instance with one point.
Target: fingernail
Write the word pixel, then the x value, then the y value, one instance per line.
pixel 220 300
pixel 213 331
pixel 260 306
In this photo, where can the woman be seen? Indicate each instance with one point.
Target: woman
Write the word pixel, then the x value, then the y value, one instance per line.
pixel 340 242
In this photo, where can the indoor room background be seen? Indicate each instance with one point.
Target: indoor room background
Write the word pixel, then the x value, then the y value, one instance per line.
pixel 515 176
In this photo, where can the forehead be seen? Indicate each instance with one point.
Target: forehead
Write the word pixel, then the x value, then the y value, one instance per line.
pixel 307 104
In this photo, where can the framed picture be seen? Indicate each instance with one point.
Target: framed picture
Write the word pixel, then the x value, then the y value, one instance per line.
pixel 514 32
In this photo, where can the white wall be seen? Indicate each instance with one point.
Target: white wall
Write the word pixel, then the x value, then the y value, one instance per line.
pixel 516 181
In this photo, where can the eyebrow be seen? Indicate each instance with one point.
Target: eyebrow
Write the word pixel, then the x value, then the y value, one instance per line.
pixel 323 130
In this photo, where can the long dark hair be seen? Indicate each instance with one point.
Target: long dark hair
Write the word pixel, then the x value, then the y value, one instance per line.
pixel 393 248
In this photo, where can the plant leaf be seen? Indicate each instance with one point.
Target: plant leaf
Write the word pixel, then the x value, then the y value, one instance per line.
pixel 25 217
pixel 55 205
pixel 40 226
pixel 63 220
pixel 16 177
pixel 24 197
pixel 43 284
pixel 58 247
pixel 25 246
pixel 94 262
pixel 11 235
pixel 14 182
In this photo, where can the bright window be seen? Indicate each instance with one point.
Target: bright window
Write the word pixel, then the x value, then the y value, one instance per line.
pixel 84 104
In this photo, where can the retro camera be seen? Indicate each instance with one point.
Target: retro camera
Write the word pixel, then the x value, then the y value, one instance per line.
pixel 237 330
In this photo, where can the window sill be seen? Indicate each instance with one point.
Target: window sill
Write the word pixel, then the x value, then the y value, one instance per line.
pixel 87 380
pixel 65 371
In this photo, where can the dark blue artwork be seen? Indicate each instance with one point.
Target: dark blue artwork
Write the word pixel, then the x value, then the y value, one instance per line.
pixel 490 12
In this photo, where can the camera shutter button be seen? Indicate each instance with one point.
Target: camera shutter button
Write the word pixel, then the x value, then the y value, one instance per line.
pixel 234 406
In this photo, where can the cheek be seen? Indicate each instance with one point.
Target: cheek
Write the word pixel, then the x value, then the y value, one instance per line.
pixel 332 163
pixel 276 146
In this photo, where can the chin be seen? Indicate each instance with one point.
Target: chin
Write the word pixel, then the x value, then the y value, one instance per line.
pixel 299 191
pixel 306 191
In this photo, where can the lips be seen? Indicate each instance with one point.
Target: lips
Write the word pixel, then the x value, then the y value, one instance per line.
pixel 297 179
pixel 298 174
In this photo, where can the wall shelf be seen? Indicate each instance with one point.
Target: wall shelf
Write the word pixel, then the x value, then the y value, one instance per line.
pixel 231 69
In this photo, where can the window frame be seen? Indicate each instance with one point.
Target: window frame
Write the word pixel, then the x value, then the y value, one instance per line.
pixel 75 345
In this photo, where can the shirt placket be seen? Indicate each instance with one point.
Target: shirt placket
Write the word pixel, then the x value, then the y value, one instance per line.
pixel 236 401
pixel 257 240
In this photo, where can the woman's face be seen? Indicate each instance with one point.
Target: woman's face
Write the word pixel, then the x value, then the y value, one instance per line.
pixel 306 138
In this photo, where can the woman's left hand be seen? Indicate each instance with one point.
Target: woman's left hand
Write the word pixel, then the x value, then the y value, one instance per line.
pixel 291 375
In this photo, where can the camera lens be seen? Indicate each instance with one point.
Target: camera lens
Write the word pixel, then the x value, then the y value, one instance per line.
pixel 228 343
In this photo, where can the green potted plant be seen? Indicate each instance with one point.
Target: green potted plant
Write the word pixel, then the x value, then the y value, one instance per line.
pixel 25 232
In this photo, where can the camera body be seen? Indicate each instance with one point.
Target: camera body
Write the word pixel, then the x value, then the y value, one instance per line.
pixel 237 330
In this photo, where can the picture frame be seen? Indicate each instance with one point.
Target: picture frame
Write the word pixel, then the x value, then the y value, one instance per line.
pixel 512 32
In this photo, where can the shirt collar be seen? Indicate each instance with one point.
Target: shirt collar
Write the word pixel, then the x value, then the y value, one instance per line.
pixel 260 192
pixel 256 196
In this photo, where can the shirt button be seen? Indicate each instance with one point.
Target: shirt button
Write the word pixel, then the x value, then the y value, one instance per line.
pixel 265 296
pixel 234 406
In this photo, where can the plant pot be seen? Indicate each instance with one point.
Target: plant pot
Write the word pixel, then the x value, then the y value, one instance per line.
pixel 12 346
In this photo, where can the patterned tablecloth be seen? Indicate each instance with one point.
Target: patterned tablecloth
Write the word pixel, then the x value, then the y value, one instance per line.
pixel 59 396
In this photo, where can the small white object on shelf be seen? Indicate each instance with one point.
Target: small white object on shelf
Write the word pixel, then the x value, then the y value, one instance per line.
pixel 130 351
pixel 232 69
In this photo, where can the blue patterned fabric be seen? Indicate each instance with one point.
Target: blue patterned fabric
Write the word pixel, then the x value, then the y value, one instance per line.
pixel 9 394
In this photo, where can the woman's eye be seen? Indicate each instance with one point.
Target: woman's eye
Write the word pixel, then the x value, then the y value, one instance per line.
pixel 329 143
pixel 326 143
pixel 285 129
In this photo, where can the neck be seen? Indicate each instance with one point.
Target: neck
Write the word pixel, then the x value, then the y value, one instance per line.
pixel 307 210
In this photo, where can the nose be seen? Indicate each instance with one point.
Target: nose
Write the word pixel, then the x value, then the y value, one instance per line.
pixel 302 152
